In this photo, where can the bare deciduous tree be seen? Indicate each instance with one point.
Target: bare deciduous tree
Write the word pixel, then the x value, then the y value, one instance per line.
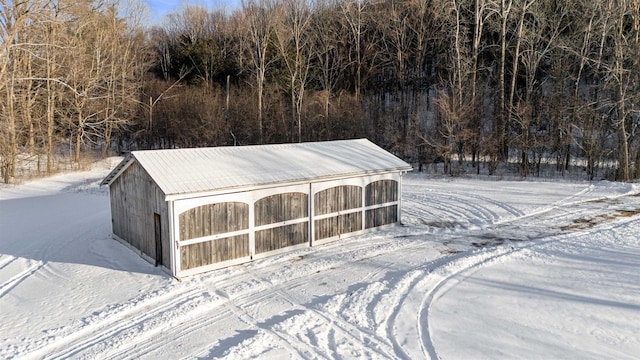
pixel 260 23
pixel 293 39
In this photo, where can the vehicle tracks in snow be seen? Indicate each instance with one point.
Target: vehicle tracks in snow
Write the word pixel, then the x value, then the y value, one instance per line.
pixel 462 266
pixel 300 344
pixel 145 343
pixel 113 325
pixel 12 282
pixel 393 302
pixel 6 260
pixel 336 325
pixel 415 301
pixel 406 295
pixel 447 207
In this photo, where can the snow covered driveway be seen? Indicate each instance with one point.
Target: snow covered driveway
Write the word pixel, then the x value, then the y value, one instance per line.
pixel 480 269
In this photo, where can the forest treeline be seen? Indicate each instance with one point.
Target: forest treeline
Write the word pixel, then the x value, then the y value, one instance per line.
pixel 486 82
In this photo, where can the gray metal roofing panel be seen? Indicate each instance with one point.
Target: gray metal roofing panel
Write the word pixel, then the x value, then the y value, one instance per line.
pixel 181 171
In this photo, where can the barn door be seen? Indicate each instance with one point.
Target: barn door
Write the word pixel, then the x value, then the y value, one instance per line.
pixel 337 211
pixel 158 237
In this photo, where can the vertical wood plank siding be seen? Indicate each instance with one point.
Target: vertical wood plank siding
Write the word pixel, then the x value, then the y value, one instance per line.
pixel 281 207
pixel 278 208
pixel 210 252
pixel 134 200
pixel 381 216
pixel 334 200
pixel 281 237
pixel 381 191
pixel 337 198
pixel 337 225
pixel 213 219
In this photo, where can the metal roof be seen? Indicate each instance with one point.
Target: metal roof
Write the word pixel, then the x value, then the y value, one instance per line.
pixel 183 171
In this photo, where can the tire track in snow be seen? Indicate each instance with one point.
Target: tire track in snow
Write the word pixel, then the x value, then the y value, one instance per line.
pixel 6 260
pixel 145 342
pixel 569 199
pixel 474 209
pixel 98 329
pixel 443 270
pixel 38 266
pixel 561 205
pixel 203 316
pixel 299 343
pixel 283 339
pixel 39 253
pixel 364 336
pixel 412 339
pixel 498 204
pixel 431 285
pixel 453 206
pixel 464 266
pixel 384 345
pixel 242 288
pixel 441 210
pixel 241 292
pixel 400 292
pixel 336 326
pixel 332 333
pixel 20 277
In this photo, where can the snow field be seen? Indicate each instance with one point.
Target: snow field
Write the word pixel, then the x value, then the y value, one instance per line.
pixel 479 269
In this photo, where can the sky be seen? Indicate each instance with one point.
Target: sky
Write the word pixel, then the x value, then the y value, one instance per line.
pixel 159 8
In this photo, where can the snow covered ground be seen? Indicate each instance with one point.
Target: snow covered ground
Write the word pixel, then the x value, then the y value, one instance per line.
pixel 480 269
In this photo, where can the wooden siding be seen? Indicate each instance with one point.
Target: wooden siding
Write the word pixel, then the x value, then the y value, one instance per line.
pixel 381 216
pixel 281 237
pixel 214 251
pixel 134 199
pixel 338 198
pixel 337 225
pixel 213 219
pixel 381 191
pixel 281 207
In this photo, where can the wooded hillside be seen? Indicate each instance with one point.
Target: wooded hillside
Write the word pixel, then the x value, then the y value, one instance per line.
pixel 490 81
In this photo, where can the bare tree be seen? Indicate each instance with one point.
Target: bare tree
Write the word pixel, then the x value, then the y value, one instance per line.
pixel 622 75
pixel 481 15
pixel 354 17
pixel 294 43
pixel 13 20
pixel 260 24
pixel 539 37
pixel 126 63
pixel 325 48
pixel 398 44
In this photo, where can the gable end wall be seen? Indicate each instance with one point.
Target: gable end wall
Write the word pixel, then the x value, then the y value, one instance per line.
pixel 134 199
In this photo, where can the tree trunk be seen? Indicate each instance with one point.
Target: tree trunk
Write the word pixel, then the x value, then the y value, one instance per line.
pixel 78 142
pixel 623 145
pixel 501 116
pixel 260 80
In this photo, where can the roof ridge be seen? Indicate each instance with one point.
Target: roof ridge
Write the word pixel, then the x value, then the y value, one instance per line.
pixel 247 147
pixel 197 170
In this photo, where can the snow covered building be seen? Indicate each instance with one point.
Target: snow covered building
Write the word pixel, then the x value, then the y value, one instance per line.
pixel 195 210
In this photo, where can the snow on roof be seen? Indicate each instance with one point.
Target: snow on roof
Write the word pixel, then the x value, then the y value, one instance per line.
pixel 182 171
